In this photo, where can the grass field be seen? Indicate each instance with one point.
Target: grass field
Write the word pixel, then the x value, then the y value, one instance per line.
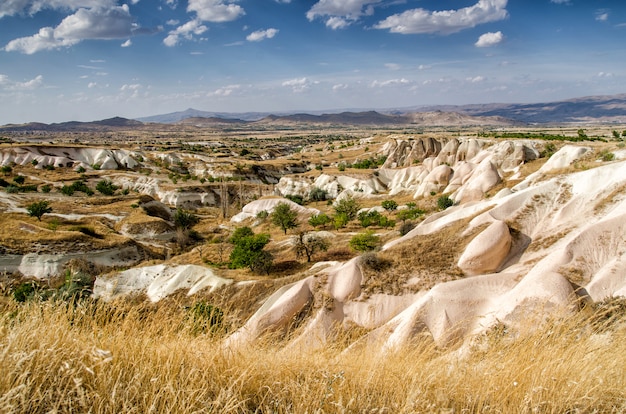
pixel 138 358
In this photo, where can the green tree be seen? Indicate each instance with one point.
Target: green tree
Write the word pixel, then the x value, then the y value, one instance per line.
pixel 364 242
pixel 6 170
pixel 307 245
pixel 38 209
pixel 248 252
pixel 19 179
pixel 106 187
pixel 284 217
pixel 348 206
pixel 318 220
pixel 581 134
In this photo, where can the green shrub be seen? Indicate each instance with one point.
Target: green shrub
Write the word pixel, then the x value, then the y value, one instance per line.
pixel 248 252
pixel 296 198
pixel 444 202
pixel 205 317
pixel 365 242
pixel 106 187
pixel 184 219
pixel 389 205
pixel 46 188
pixel 606 155
pixel 347 206
pixel 19 179
pixel 318 194
pixel 25 291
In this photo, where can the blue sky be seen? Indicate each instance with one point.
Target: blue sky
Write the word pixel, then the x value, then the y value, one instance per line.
pixel 85 60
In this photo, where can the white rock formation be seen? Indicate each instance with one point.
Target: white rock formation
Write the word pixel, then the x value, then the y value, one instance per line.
pixel 157 282
pixel 250 210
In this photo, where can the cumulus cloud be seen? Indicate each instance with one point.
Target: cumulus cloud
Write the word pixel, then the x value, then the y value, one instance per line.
pixel 7 84
pixel 445 22
pixel 186 31
pixel 392 66
pixel 341 13
pixel 489 39
pixel 560 1
pixel 298 85
pixel 31 7
pixel 475 79
pixel 127 43
pixel 112 23
pixel 261 35
pixel 216 11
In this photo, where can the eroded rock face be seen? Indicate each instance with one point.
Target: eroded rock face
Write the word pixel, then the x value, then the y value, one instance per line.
pixel 487 251
pixel 514 282
pixel 70 157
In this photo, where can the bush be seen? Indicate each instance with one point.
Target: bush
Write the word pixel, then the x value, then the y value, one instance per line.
pixel 25 291
pixel 365 242
pixel 372 261
pixel 38 209
pixel 262 215
pixel 46 188
pixel 444 202
pixel 406 227
pixel 185 220
pixel 19 179
pixel 205 317
pixel 389 205
pixel 604 155
pixel 318 194
pixel 106 187
pixel 296 198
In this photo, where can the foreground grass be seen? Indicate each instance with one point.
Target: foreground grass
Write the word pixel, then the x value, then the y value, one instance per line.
pixel 118 358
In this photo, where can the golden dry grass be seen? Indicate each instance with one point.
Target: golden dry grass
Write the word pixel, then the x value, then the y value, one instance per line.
pixel 128 358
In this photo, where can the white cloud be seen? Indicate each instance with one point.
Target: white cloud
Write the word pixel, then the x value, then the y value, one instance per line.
pixel 339 87
pixel 7 84
pixel 390 82
pixel 341 13
pixel 186 31
pixel 216 10
pixel 261 35
pixel 127 43
pixel 417 21
pixel 298 85
pixel 392 66
pixel 605 75
pixel 475 79
pixel 489 39
pixel 602 15
pixel 31 7
pixel 225 91
pixel 560 1
pixel 92 85
pixel 112 23
pixel 424 67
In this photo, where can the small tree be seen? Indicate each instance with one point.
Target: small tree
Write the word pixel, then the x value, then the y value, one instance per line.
pixel 284 217
pixel 307 244
pixel 38 209
pixel 248 252
pixel 318 220
pixel 348 206
pixel 6 170
pixel 365 242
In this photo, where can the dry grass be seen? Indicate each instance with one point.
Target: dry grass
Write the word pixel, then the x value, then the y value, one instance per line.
pixel 137 358
pixel 422 263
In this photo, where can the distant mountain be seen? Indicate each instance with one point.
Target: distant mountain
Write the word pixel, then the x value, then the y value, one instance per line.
pixel 103 125
pixel 587 109
pixel 175 117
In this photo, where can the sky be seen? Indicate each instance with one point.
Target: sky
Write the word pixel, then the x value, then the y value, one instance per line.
pixel 85 60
